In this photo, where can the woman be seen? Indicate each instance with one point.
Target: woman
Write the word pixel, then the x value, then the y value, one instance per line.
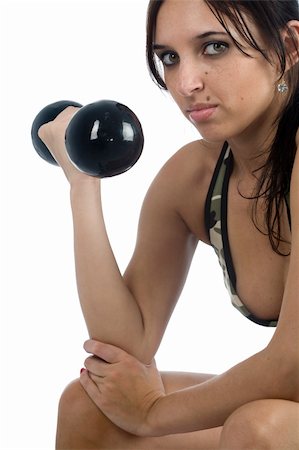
pixel 232 68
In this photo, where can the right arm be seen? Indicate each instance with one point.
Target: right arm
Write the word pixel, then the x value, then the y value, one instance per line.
pixel 130 311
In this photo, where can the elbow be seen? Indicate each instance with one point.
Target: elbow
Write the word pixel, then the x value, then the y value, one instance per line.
pixel 149 338
pixel 141 352
pixel 146 349
pixel 146 352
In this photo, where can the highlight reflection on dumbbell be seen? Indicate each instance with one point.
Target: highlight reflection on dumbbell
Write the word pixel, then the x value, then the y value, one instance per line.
pixel 103 138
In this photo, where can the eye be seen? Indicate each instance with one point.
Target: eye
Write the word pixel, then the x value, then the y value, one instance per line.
pixel 215 48
pixel 169 58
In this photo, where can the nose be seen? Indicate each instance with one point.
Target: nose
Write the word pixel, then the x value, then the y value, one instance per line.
pixel 189 78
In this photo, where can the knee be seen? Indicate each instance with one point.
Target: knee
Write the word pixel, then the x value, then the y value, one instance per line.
pixel 249 427
pixel 74 402
pixel 79 420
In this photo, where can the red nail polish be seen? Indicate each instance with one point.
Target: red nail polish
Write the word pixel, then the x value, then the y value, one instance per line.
pixel 82 370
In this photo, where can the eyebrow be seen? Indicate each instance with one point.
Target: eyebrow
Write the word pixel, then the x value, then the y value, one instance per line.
pixel 200 36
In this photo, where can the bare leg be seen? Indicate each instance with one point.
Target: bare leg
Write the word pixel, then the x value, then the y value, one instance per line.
pixel 81 425
pixel 262 425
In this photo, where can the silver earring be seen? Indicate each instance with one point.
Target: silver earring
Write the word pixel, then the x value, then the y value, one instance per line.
pixel 282 87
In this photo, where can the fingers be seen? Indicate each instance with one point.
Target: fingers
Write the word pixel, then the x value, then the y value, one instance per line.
pixel 106 352
pixel 63 118
pixel 91 388
pixel 67 114
pixel 96 366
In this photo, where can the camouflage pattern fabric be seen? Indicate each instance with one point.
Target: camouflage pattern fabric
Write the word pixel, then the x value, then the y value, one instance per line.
pixel 216 209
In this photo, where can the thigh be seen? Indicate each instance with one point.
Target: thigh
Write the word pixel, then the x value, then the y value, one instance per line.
pixel 261 424
pixel 82 425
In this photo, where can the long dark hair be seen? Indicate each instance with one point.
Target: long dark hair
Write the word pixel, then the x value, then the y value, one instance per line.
pixel 270 17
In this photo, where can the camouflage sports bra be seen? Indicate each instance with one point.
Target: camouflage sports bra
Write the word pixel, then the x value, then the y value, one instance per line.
pixel 216 226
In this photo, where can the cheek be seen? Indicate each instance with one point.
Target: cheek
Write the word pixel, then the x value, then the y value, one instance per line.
pixel 251 87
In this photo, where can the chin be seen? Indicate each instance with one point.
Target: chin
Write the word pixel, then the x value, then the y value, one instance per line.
pixel 212 136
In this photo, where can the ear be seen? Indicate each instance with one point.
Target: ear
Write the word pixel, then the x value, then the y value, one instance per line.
pixel 290 37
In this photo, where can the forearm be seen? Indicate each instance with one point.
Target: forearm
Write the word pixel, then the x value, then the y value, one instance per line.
pixel 209 404
pixel 108 306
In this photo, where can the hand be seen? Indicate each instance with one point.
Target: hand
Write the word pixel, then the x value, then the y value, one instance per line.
pixel 53 135
pixel 124 389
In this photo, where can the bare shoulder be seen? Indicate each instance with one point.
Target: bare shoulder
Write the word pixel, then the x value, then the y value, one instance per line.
pixel 195 157
pixel 183 182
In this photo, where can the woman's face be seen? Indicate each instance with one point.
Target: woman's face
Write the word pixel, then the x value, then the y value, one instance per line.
pixel 223 92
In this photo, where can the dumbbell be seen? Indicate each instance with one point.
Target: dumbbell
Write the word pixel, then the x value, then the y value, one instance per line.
pixel 103 139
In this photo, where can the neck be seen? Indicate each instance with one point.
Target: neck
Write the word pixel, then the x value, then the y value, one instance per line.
pixel 251 147
pixel 249 156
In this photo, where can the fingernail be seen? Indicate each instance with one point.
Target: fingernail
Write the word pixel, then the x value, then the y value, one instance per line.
pixel 82 370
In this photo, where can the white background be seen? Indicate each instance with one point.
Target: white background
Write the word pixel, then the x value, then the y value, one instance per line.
pixel 85 51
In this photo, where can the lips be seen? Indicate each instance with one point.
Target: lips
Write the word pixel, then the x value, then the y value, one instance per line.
pixel 201 112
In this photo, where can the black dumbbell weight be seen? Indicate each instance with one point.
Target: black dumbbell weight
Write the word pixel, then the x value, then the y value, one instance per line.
pixel 103 139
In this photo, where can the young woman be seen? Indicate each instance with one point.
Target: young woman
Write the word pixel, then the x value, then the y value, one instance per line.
pixel 232 68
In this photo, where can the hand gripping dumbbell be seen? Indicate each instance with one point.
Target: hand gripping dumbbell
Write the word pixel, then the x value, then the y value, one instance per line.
pixel 103 139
